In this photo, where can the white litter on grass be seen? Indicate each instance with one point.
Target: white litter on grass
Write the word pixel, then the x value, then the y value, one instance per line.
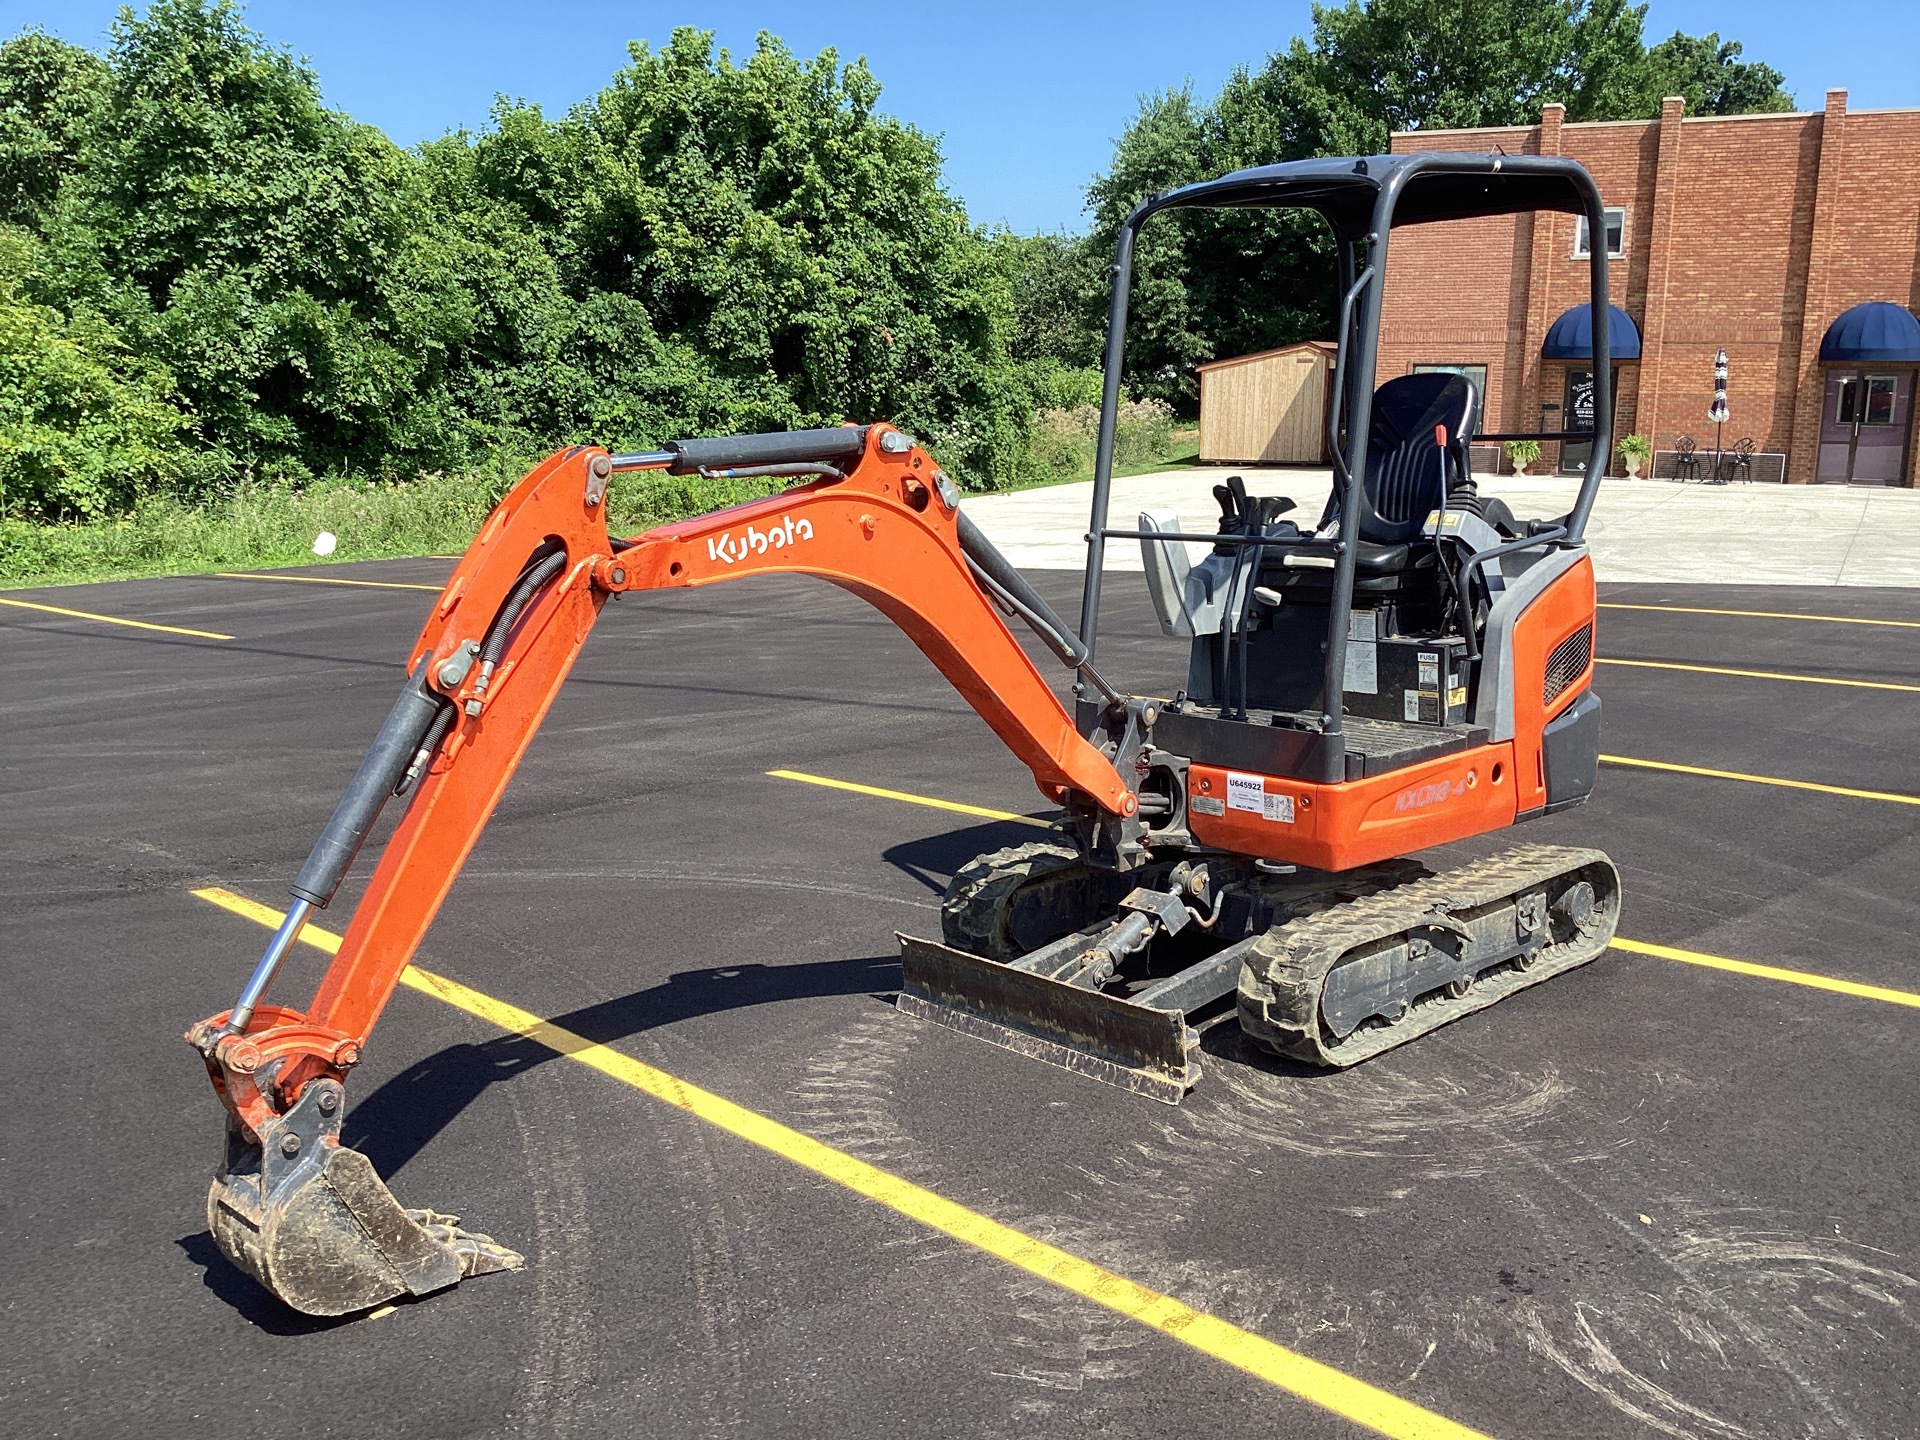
pixel 324 543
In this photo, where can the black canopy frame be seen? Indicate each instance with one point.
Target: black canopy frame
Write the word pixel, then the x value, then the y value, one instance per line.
pixel 1362 202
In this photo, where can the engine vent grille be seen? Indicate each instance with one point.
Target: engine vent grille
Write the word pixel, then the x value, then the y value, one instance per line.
pixel 1568 662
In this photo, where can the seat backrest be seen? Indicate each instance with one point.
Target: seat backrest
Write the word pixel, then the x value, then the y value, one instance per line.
pixel 1406 477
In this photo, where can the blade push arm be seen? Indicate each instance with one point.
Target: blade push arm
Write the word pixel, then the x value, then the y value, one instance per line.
pixel 500 642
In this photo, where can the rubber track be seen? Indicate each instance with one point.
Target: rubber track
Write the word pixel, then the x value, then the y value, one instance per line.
pixel 974 910
pixel 1286 971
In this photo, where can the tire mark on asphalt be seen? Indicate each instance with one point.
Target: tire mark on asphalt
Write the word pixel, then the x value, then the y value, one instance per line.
pixel 564 1349
pixel 1706 1300
pixel 1730 1280
pixel 1068 1365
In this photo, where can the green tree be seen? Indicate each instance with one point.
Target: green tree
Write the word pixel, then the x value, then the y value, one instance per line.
pixel 1212 284
pixel 746 246
pixel 49 91
pixel 1052 282
pixel 258 245
pixel 1710 76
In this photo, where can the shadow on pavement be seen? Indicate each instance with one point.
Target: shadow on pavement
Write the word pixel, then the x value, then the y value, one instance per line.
pixel 933 859
pixel 247 1296
pixel 392 1124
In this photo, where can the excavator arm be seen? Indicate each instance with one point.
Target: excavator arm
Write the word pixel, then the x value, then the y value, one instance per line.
pixel 307 1216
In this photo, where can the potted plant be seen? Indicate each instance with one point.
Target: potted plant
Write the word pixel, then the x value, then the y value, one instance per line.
pixel 1521 454
pixel 1635 451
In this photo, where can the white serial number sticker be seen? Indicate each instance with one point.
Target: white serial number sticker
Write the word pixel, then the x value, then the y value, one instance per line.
pixel 1249 793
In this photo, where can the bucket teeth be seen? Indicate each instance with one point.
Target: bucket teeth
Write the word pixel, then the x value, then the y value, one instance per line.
pixel 479 1254
pixel 312 1221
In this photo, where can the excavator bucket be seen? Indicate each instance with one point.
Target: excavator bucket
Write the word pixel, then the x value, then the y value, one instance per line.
pixel 310 1219
pixel 1104 1037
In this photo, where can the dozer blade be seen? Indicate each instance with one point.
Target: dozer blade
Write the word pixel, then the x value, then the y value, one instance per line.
pixel 1086 1031
pixel 310 1219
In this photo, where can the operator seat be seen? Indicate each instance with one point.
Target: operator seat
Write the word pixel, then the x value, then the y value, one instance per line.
pixel 1407 478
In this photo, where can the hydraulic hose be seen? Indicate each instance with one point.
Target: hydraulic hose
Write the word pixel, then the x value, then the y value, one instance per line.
pixel 429 746
pixel 997 577
pixel 546 562
pixel 407 739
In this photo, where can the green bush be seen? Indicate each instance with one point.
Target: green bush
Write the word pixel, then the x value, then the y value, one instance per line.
pixel 86 424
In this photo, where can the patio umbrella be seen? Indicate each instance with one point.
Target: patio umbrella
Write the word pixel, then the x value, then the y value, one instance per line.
pixel 1717 412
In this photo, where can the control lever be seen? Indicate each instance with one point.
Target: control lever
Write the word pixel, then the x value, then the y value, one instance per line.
pixel 1269 508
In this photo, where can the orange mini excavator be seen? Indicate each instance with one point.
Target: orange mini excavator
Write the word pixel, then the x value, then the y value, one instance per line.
pixel 1410 669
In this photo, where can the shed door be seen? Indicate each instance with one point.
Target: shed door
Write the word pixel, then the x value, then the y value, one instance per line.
pixel 1265 411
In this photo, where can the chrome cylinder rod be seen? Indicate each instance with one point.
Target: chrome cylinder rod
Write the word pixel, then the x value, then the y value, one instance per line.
pixel 269 965
pixel 645 460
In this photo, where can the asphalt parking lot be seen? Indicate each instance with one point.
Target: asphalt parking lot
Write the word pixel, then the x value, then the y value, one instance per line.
pixel 1651 1197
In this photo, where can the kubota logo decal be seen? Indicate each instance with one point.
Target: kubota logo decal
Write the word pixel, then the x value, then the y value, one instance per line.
pixel 1421 796
pixel 757 541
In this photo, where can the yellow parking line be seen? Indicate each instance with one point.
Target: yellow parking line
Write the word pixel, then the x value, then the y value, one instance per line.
pixel 1892 797
pixel 1757 674
pixel 118 620
pixel 911 799
pixel 1762 614
pixel 1771 972
pixel 1637 947
pixel 1318 1384
pixel 326 580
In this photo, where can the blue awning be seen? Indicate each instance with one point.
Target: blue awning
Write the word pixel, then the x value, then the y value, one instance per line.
pixel 1571 336
pixel 1877 331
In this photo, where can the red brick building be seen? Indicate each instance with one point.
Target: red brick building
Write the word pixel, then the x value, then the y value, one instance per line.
pixel 1756 234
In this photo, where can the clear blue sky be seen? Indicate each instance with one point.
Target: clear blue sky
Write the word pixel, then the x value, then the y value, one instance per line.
pixel 1027 98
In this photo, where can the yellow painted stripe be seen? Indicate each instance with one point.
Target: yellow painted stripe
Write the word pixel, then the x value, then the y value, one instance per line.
pixel 118 620
pixel 326 580
pixel 310 934
pixel 911 799
pixel 1759 674
pixel 1318 1384
pixel 1892 797
pixel 1771 972
pixel 1762 614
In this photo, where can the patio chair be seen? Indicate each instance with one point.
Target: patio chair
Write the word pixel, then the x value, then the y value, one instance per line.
pixel 1686 464
pixel 1739 463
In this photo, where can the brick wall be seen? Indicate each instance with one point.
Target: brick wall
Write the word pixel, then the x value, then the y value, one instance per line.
pixel 1748 232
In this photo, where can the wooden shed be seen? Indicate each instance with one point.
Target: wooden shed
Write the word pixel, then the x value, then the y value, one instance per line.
pixel 1268 408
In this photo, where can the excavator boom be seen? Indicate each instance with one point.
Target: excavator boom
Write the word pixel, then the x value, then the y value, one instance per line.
pixel 290 1205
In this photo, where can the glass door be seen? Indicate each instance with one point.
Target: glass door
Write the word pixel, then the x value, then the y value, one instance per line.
pixel 1578 415
pixel 1863 427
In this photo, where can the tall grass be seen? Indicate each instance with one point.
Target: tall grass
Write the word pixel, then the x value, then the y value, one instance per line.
pixel 1063 441
pixel 264 525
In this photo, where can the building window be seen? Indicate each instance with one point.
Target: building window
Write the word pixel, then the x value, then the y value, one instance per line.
pixel 1476 374
pixel 1865 400
pixel 1616 234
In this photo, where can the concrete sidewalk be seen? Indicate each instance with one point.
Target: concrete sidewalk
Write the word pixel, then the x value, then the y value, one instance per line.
pixel 1644 530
